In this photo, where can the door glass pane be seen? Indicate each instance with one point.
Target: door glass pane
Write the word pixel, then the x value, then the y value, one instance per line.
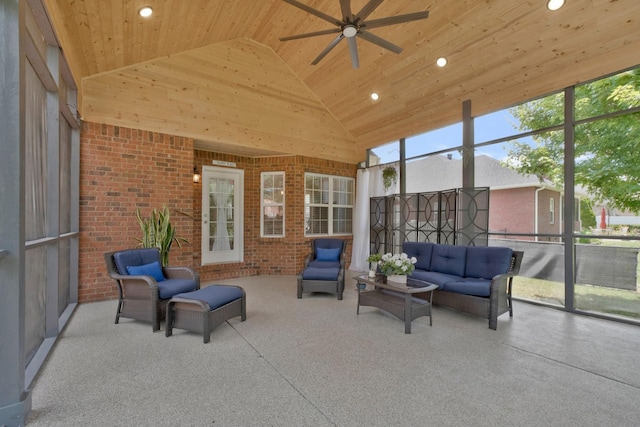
pixel 221 212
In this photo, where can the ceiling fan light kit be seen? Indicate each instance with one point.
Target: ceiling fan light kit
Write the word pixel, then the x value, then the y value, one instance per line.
pixel 352 26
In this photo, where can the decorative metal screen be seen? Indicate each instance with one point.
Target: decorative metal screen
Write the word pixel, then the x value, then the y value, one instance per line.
pixel 457 216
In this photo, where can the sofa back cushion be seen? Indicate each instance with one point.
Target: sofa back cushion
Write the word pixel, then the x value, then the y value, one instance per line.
pixel 449 259
pixel 135 257
pixel 421 251
pixel 485 262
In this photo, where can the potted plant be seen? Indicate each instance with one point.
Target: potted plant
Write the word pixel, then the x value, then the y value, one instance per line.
pixel 389 177
pixel 157 232
pixel 373 260
pixel 397 266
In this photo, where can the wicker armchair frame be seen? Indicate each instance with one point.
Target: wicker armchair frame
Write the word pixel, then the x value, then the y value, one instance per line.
pixel 327 286
pixel 138 295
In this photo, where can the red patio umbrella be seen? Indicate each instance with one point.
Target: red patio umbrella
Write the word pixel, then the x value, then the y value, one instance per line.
pixel 603 219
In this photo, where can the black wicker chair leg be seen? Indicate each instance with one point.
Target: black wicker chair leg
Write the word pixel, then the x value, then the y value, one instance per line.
pixel 119 311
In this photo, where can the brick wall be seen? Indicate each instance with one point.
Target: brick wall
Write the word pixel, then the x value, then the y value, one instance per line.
pixel 122 169
pixel 267 255
pixel 512 210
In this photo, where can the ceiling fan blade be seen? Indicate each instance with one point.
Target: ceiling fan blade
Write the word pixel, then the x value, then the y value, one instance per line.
pixel 392 20
pixel 353 50
pixel 367 10
pixel 315 12
pixel 345 7
pixel 379 41
pixel 328 49
pixel 316 33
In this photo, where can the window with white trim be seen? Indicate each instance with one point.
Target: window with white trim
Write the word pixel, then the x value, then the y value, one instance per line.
pixel 328 204
pixel 272 204
pixel 552 210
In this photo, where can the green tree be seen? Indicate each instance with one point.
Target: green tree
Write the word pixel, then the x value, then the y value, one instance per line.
pixel 587 217
pixel 607 151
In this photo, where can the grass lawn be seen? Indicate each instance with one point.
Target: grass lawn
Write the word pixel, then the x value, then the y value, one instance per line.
pixel 599 299
pixel 587 297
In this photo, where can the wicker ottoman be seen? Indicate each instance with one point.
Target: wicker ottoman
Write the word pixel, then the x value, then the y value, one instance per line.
pixel 203 310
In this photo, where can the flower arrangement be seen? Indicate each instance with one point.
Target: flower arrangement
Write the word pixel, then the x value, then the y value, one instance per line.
pixel 394 264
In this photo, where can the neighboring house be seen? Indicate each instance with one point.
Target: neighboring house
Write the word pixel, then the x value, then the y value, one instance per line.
pixel 518 204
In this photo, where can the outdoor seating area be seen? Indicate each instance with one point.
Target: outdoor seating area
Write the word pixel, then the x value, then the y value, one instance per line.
pixel 239 183
pixel 316 362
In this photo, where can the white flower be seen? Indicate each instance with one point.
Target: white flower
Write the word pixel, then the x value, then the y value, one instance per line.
pixel 397 264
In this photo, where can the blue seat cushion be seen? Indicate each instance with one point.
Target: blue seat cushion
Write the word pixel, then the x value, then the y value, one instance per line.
pixel 130 257
pixel 485 262
pixel 324 264
pixel 421 251
pixel 434 277
pixel 153 269
pixel 171 287
pixel 469 286
pixel 215 295
pixel 315 273
pixel 449 259
pixel 332 254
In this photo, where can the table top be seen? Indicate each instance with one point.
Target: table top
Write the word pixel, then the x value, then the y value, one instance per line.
pixel 413 286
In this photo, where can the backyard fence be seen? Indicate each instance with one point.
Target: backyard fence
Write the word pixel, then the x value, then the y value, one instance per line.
pixel 607 266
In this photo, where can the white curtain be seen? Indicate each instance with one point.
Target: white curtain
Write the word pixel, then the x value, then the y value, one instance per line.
pixel 223 191
pixel 360 250
pixel 369 184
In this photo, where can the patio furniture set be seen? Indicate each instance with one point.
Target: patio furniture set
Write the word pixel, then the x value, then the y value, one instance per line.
pixel 149 292
pixel 476 280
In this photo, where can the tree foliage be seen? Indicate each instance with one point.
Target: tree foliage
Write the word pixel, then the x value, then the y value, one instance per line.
pixel 607 151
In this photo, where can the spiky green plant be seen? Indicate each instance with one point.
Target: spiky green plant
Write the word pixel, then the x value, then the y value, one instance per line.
pixel 157 232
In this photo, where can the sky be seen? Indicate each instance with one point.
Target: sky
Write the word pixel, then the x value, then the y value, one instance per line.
pixel 486 128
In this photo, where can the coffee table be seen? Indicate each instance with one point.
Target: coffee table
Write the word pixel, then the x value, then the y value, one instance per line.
pixel 396 298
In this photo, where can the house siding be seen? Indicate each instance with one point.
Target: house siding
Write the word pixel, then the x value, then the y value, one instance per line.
pixel 512 211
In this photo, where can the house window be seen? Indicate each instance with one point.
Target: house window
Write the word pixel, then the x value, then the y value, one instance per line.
pixel 328 204
pixel 552 211
pixel 272 204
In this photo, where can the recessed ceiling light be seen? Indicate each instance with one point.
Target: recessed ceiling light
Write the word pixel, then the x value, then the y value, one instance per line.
pixel 145 12
pixel 375 96
pixel 555 4
pixel 441 62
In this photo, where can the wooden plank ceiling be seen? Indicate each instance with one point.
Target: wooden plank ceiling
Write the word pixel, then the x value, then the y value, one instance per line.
pixel 216 71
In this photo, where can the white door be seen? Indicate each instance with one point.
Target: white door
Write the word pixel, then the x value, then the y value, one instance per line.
pixel 222 215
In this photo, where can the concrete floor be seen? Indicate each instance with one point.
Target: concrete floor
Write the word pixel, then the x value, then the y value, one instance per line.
pixel 314 362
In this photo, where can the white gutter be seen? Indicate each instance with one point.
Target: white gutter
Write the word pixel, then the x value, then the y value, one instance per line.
pixel 535 210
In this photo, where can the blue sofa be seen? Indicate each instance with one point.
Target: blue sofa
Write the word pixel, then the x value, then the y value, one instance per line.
pixel 473 279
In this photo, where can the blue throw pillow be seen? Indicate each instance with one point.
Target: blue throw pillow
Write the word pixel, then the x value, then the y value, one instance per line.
pixel 327 254
pixel 154 270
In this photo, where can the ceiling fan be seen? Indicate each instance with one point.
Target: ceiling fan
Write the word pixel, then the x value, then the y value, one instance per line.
pixel 352 25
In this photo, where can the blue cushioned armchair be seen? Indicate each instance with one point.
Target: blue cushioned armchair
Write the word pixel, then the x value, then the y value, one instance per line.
pixel 144 286
pixel 324 268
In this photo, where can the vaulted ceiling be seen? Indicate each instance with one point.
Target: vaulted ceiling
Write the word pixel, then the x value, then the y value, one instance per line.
pixel 215 70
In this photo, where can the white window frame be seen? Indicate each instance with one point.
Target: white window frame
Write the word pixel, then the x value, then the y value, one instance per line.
pixel 552 210
pixel 272 204
pixel 329 204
